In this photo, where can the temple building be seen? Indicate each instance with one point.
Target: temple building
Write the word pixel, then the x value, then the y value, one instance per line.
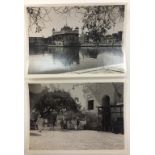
pixel 91 98
pixel 65 37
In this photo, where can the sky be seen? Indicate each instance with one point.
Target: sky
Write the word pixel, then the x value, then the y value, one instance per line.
pixel 73 89
pixel 37 88
pixel 58 20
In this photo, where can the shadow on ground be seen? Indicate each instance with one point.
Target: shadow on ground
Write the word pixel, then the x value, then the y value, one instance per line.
pixel 35 134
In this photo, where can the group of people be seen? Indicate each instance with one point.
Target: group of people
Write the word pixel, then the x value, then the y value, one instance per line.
pixel 70 124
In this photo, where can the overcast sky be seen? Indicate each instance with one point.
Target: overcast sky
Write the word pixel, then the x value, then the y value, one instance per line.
pixel 59 20
pixel 37 88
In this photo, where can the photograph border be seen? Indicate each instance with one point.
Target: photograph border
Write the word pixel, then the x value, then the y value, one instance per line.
pixel 57 152
pixel 85 78
pixel 86 3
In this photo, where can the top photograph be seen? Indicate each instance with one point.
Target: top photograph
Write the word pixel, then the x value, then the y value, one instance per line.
pixel 76 39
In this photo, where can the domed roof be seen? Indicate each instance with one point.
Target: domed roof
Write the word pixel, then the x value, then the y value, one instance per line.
pixel 66 28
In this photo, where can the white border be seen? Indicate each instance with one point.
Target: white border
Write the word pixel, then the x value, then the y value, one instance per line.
pixel 59 78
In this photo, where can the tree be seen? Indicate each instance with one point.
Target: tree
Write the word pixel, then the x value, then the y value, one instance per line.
pixel 57 101
pixel 99 19
pixel 38 16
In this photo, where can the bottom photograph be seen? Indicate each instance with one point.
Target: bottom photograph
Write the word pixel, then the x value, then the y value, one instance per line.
pixel 76 116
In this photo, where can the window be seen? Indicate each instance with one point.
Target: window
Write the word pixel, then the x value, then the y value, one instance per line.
pixel 90 104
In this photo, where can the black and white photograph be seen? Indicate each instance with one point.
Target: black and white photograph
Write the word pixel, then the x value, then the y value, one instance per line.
pixel 76 39
pixel 76 116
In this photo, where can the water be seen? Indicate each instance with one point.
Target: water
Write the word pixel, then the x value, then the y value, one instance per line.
pixel 54 60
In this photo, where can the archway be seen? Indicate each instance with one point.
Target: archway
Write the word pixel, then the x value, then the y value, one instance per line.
pixel 106 113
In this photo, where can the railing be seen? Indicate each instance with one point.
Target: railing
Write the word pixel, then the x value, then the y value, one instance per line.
pixel 117 118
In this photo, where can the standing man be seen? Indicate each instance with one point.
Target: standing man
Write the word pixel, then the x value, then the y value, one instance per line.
pixel 40 122
pixel 78 122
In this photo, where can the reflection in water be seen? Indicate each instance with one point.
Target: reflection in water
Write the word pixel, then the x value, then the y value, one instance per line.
pixel 66 59
pixel 67 56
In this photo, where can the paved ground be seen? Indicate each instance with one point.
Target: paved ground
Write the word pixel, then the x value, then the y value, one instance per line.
pixel 75 140
pixel 119 68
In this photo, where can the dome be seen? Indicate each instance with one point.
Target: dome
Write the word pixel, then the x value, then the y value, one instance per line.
pixel 66 28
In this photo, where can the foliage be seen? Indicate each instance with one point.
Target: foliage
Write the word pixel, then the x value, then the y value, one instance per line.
pixel 37 17
pixel 97 20
pixel 57 101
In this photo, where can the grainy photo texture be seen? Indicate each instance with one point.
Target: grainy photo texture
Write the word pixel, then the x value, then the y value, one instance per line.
pixel 76 116
pixel 76 39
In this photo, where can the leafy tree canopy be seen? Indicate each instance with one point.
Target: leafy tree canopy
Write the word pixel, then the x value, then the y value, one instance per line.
pixel 56 101
pixel 99 19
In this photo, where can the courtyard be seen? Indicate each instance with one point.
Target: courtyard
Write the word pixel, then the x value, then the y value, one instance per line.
pixel 75 140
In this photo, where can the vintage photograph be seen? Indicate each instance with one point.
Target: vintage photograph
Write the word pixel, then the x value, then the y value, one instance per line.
pixel 76 39
pixel 76 116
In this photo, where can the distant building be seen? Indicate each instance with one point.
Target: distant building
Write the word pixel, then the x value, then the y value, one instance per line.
pixel 112 38
pixel 109 39
pixel 84 38
pixel 65 37
pixel 70 37
pixel 36 40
